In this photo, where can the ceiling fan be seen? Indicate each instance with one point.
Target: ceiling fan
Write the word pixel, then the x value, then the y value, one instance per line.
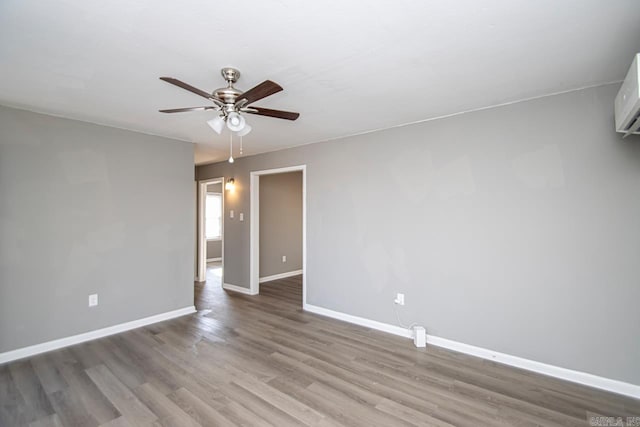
pixel 230 102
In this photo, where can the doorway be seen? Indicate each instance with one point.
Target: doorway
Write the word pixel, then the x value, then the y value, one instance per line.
pixel 254 251
pixel 210 230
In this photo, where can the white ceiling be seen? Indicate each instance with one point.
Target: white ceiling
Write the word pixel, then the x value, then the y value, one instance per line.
pixel 347 67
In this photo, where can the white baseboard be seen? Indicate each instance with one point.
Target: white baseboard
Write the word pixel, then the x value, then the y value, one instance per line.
pixel 280 276
pixel 32 350
pixel 385 327
pixel 214 259
pixel 238 289
pixel 579 377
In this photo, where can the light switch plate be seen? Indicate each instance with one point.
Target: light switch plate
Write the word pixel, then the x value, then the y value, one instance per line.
pixel 93 300
pixel 231 213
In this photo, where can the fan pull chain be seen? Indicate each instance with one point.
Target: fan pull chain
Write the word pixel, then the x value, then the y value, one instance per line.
pixel 241 145
pixel 230 147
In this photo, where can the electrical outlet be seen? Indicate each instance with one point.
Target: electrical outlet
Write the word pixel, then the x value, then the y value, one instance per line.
pixel 284 258
pixel 399 299
pixel 241 216
pixel 93 300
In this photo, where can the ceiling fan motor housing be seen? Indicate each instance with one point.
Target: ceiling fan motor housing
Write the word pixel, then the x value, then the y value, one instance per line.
pixel 227 95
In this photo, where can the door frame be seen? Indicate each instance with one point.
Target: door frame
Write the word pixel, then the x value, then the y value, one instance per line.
pixel 254 245
pixel 201 254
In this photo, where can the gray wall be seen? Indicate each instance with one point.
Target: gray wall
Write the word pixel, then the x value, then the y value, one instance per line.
pixel 90 209
pixel 214 247
pixel 214 188
pixel 280 223
pixel 513 228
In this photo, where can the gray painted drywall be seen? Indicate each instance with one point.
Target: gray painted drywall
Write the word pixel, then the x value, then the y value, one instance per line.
pixel 214 247
pixel 280 223
pixel 90 209
pixel 513 228
pixel 214 188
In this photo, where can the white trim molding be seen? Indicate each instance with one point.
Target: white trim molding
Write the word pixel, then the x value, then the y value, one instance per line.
pixel 579 377
pixel 214 259
pixel 32 350
pixel 367 323
pixel 280 276
pixel 239 289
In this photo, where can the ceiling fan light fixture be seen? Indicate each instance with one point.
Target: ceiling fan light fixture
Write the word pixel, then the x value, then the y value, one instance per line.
pixel 245 131
pixel 216 124
pixel 235 122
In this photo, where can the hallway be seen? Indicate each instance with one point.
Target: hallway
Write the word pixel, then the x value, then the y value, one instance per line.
pixel 204 293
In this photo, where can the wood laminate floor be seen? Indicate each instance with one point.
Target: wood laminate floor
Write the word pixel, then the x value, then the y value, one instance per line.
pixel 261 361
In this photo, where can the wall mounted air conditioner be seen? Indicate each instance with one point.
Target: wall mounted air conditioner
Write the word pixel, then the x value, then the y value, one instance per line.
pixel 627 104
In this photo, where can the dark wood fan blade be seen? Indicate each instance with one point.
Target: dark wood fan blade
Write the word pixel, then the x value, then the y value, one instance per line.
pixel 182 110
pixel 190 88
pixel 279 114
pixel 256 93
